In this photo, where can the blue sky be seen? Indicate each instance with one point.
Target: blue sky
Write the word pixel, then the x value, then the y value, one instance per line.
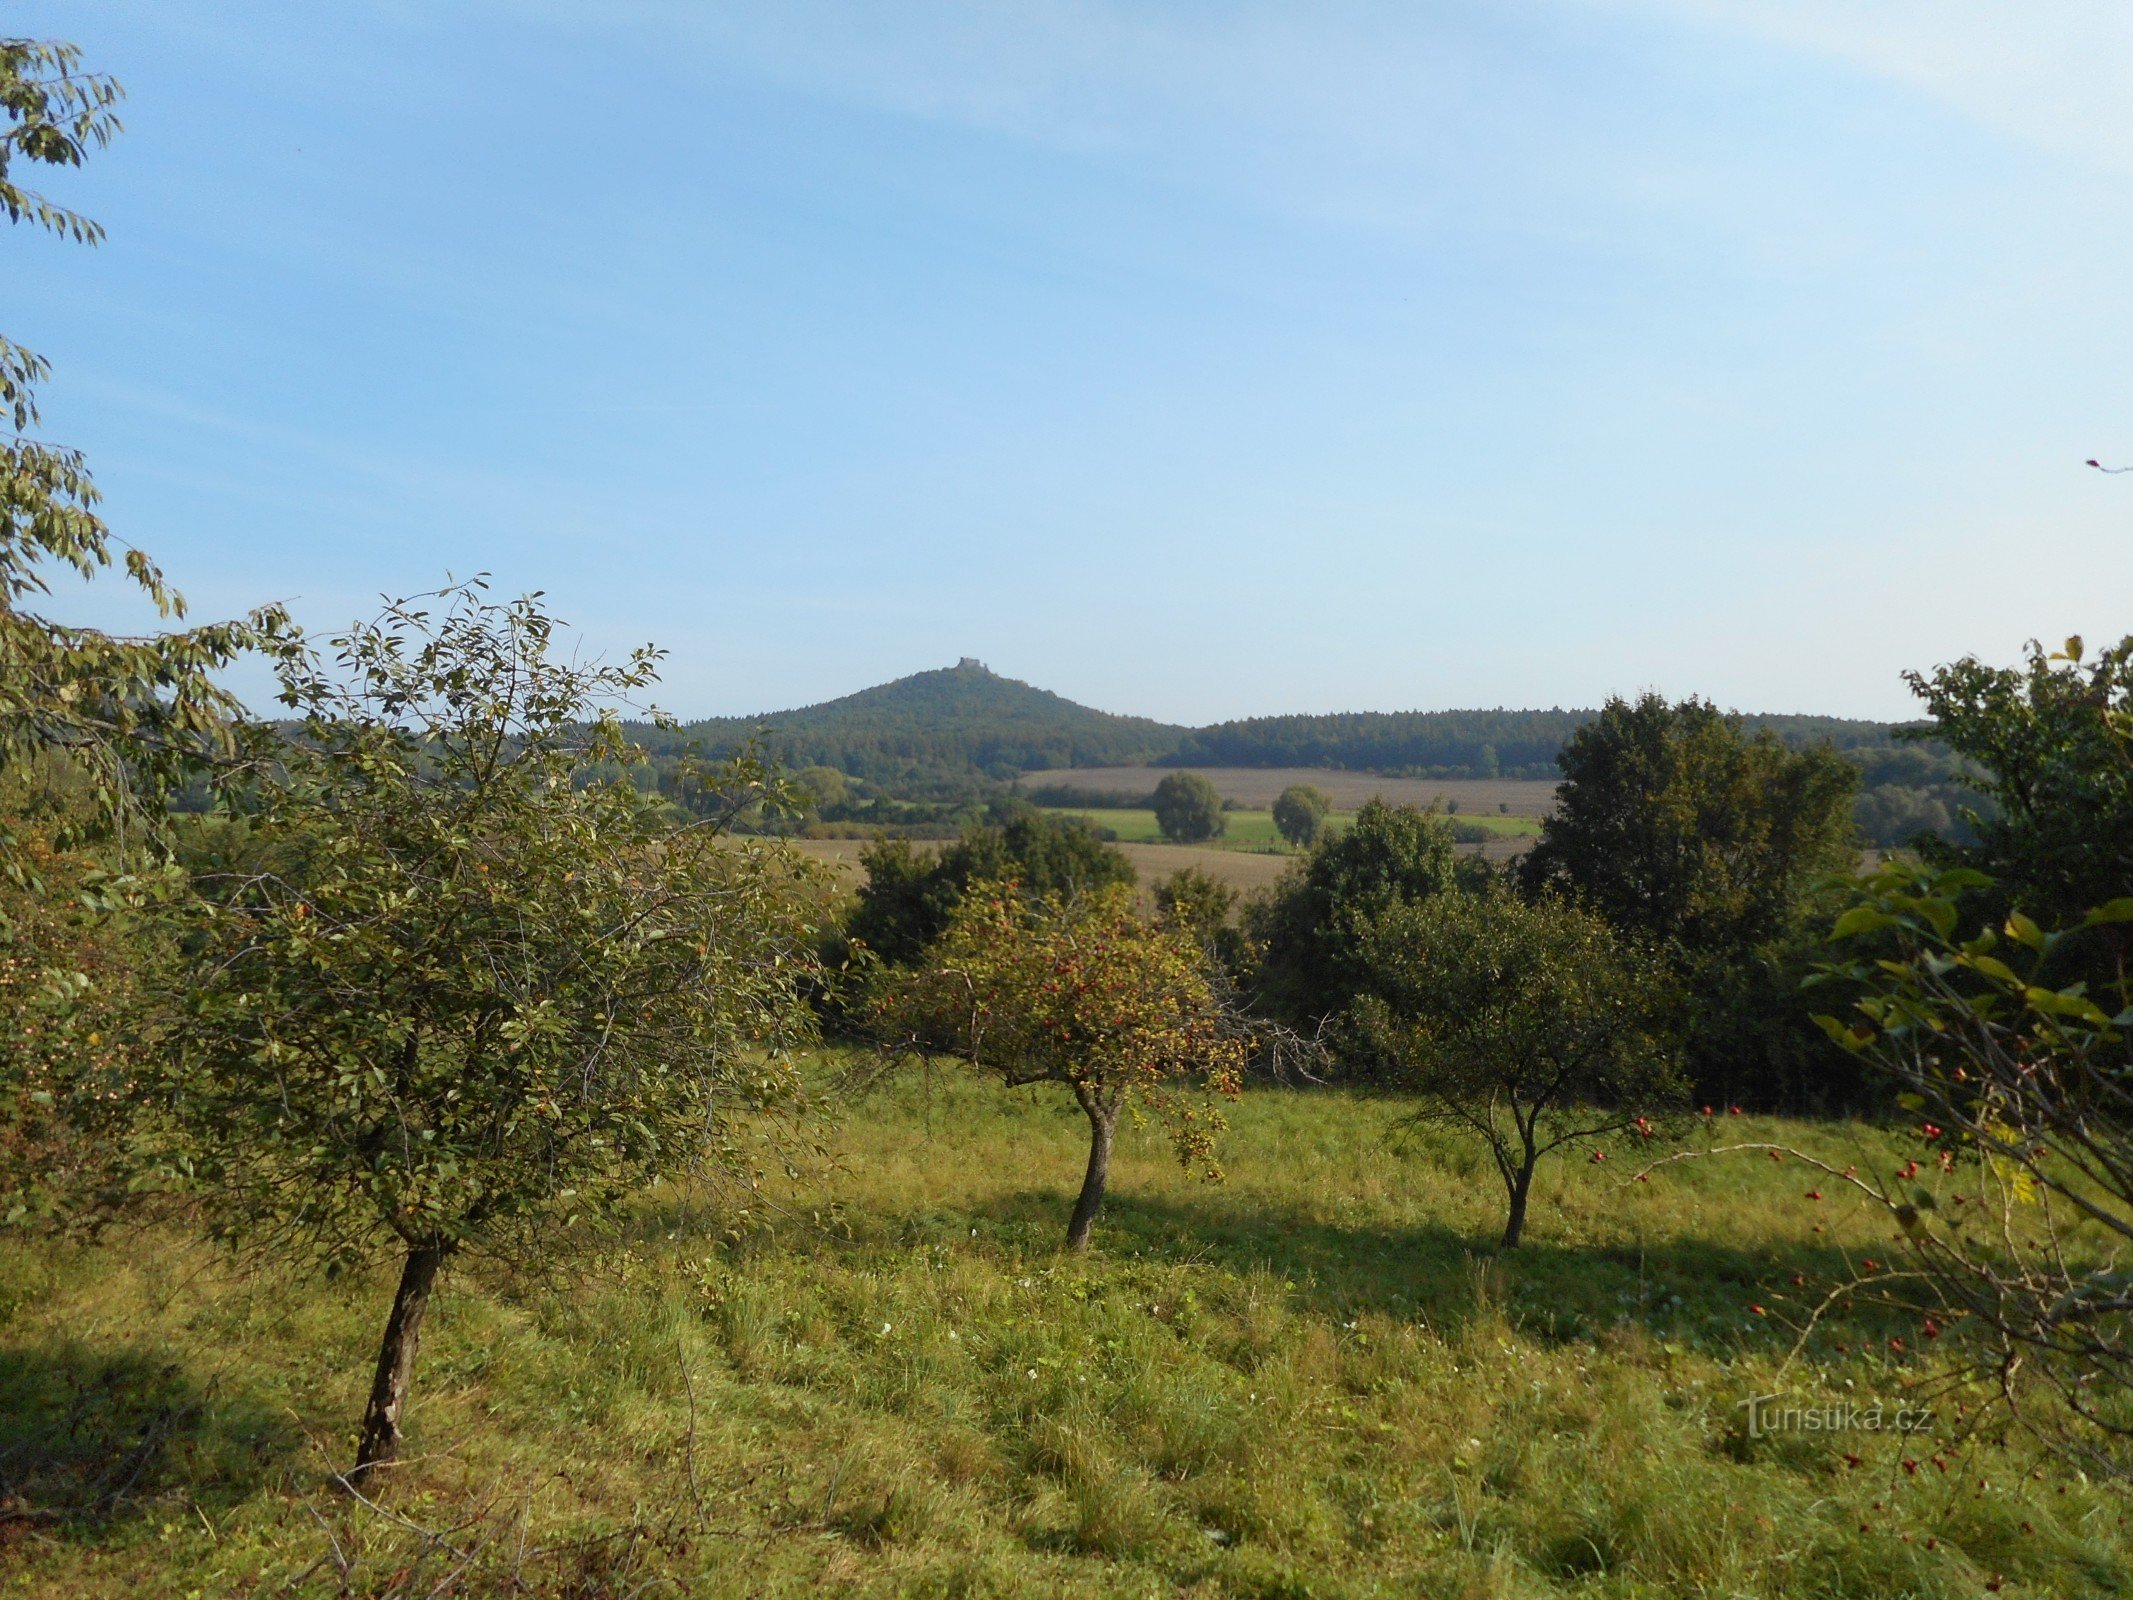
pixel 1193 360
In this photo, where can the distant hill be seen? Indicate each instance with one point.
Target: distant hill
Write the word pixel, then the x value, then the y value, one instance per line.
pixel 932 734
pixel 959 733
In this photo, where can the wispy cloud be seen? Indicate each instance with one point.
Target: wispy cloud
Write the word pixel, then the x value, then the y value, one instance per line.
pixel 2054 73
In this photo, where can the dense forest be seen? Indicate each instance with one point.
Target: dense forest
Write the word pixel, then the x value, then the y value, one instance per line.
pixel 1495 743
pixel 957 735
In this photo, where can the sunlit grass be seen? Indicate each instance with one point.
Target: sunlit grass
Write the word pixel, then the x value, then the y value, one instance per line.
pixel 1313 1379
pixel 1255 830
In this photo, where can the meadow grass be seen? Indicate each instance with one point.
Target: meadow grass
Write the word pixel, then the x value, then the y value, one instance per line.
pixel 1314 1379
pixel 1255 830
pixel 1243 830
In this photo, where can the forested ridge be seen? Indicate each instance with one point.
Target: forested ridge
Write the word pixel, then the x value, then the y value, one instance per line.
pixel 934 735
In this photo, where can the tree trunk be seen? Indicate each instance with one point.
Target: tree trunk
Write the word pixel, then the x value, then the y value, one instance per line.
pixel 1103 1122
pixel 396 1362
pixel 1521 1186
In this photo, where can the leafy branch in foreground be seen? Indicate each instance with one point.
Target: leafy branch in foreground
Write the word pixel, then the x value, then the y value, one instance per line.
pixel 2028 1087
pixel 460 993
pixel 133 716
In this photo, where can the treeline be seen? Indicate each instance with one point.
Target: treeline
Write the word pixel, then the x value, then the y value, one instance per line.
pixel 1417 744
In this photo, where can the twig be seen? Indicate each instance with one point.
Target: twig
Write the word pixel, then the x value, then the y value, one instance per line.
pixel 696 1493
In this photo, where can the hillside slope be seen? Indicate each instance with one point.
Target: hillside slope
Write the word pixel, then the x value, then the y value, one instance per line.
pixel 932 733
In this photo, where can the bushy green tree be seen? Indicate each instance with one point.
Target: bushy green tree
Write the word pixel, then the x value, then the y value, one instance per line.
pixel 1188 809
pixel 1679 827
pixel 1530 1025
pixel 1674 823
pixel 1205 907
pixel 909 896
pixel 1087 994
pixel 1299 812
pixel 458 997
pixel 2054 740
pixel 72 968
pixel 1312 926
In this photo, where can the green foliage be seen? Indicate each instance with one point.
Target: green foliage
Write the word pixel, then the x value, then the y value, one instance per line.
pixel 1205 908
pixel 134 716
pixel 1680 828
pixel 909 898
pixel 457 997
pixel 1072 797
pixel 56 114
pixel 823 787
pixel 69 1005
pixel 2054 738
pixel 1674 824
pixel 1312 927
pixel 1456 744
pixel 2020 1213
pixel 1299 812
pixel 1188 809
pixel 1084 993
pixel 1530 1025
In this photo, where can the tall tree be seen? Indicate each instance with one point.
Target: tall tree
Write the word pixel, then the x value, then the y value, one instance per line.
pixel 1313 925
pixel 459 997
pixel 1086 994
pixel 1188 809
pixel 1679 827
pixel 2054 738
pixel 1674 823
pixel 1299 812
pixel 96 729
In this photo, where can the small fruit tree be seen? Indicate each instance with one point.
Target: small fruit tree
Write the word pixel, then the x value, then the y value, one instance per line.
pixel 1086 994
pixel 1532 1025
pixel 465 990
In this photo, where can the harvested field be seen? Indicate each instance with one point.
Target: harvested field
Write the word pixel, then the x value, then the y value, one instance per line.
pixel 1258 786
pixel 1243 870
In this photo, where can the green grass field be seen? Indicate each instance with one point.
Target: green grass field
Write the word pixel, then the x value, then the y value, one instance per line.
pixel 1313 1380
pixel 1254 830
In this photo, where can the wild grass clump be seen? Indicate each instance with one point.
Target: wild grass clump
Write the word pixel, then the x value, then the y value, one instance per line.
pixel 1317 1380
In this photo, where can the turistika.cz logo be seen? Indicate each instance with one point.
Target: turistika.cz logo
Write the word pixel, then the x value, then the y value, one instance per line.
pixel 1768 1414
